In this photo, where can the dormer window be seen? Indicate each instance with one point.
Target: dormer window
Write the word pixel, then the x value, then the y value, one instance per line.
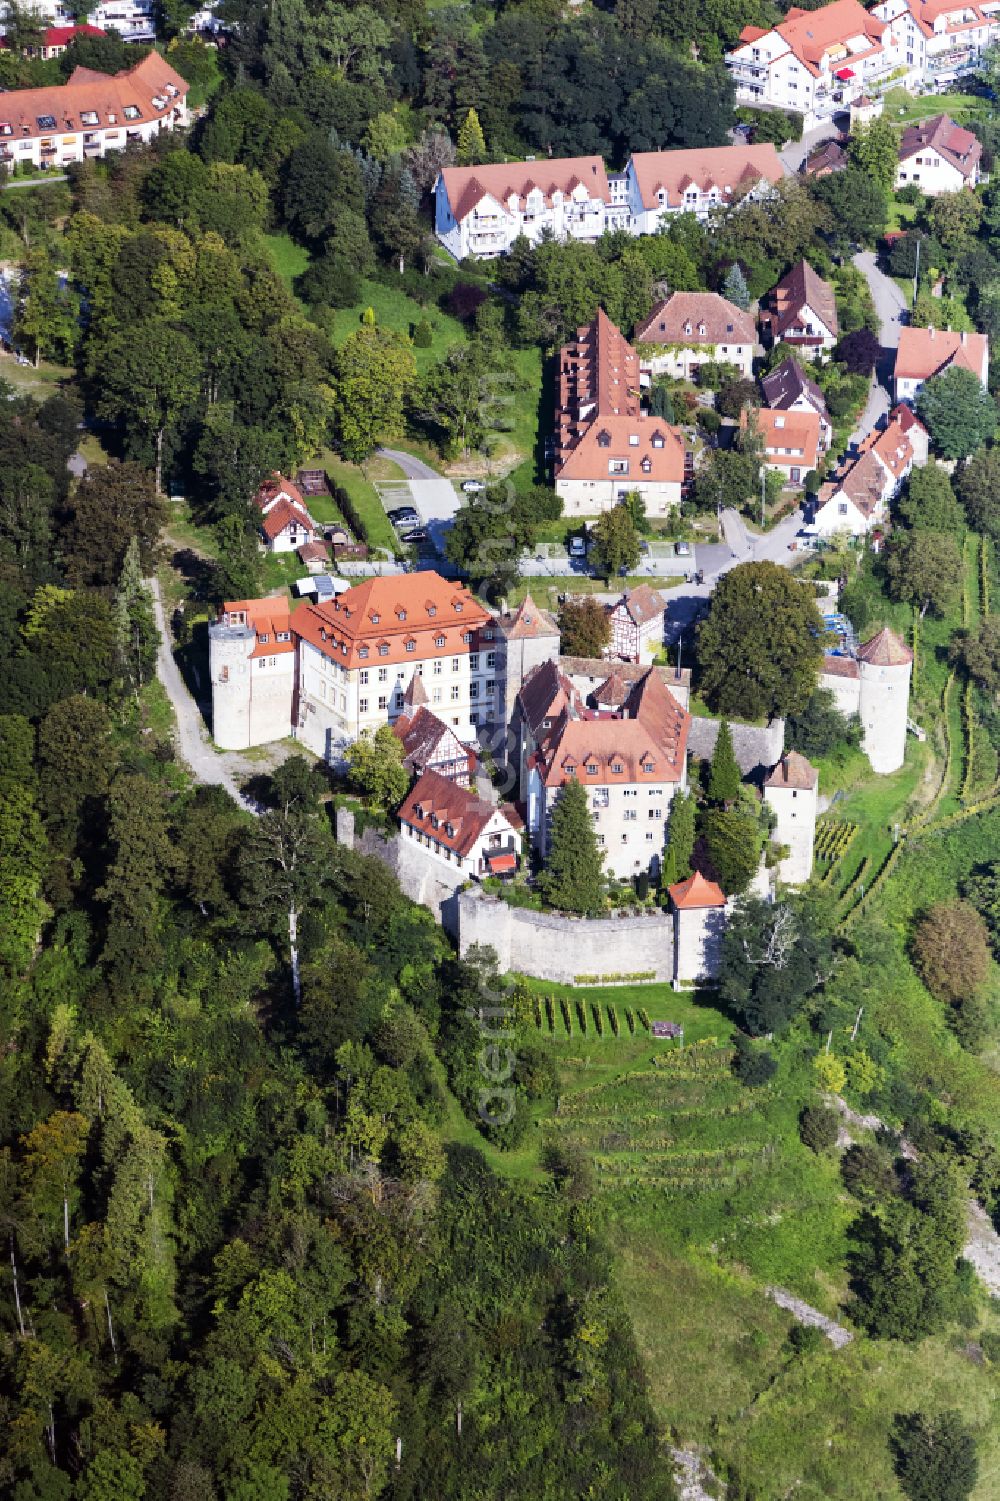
pixel 434 820
pixel 702 329
pixel 617 768
pixel 401 614
pixel 411 645
pixel 132 112
pixel 362 651
pixel 633 440
pixel 383 651
pixel 375 618
pixel 646 465
pixel 450 830
pixel 648 767
pixel 657 440
pixel 418 811
pixel 264 636
pixel 688 328
pixel 779 421
pixel 438 640
pixel 604 438
pixel 459 607
pixel 89 117
pixel 343 648
pixel 591 768
pixel 432 610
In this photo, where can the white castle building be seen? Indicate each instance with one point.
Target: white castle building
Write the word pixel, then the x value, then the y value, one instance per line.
pixel 790 792
pixel 876 686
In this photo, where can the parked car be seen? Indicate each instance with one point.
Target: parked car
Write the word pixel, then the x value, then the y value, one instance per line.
pixel 404 515
pixel 682 549
pixel 418 534
pixel 577 547
pixel 472 486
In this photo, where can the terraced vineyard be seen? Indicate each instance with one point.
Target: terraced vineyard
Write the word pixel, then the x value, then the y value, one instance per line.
pixel 683 1125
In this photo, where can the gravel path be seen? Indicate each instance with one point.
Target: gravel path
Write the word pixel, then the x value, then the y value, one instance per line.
pixel 692 1474
pixel 804 1313
pixel 983 1248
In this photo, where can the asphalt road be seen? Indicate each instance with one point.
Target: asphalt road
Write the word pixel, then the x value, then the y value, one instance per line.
pixel 435 497
pixel 890 304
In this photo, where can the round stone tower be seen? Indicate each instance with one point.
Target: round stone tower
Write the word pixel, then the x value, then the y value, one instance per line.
pixel 229 649
pixel 884 664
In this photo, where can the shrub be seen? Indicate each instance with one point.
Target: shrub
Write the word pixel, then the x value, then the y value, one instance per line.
pixel 831 1074
pixel 581 1013
pixel 806 1339
pixel 644 1018
pixel 464 301
pixel 951 951
pixel 708 420
pixel 423 336
pixel 630 1020
pixel 550 1013
pixel 598 1018
pixel 818 1128
pixel 613 1019
pixel 753 1066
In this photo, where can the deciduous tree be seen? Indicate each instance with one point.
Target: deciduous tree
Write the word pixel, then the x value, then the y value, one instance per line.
pixel 614 549
pixel 759 648
pixel 951 950
pixel 375 370
pixel 925 569
pixel 929 502
pixel 584 627
pixel 113 503
pixel 377 770
pixel 960 415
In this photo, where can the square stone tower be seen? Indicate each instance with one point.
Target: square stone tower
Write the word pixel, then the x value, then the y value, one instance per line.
pixel 791 791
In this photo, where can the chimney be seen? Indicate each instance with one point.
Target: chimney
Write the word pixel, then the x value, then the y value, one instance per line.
pixel 964 336
pixel 932 332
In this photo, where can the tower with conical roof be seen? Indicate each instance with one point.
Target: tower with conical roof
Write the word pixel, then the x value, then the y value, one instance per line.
pixel 885 663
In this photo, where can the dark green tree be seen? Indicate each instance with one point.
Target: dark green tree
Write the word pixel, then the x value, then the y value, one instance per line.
pixel 583 627
pixel 959 414
pixel 615 548
pixel 771 961
pixel 680 839
pixel 572 879
pixel 734 839
pixel 114 503
pixel 925 569
pixel 929 502
pixel 819 729
pixel 724 777
pixel 760 647
pixel 935 1456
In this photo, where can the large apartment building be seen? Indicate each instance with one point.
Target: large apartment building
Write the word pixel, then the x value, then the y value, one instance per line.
pixel 817 61
pixel 133 20
pixel 941 39
pixel 353 661
pixel 481 211
pixel 91 114
pixel 607 447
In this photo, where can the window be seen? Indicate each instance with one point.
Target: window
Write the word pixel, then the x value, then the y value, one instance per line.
pixel 491 660
pixel 650 837
pixel 459 607
pixel 383 651
pixel 87 117
pixel 437 669
pixel 467 637
pixel 633 440
pixel 656 812
pixel 474 690
pixel 399 700
pixel 630 792
pixel 630 815
pixel 383 674
pixel 618 466
pixel 488 635
pixel 474 662
pixel 617 768
pixel 600 797
pixel 362 651
pixel 432 610
pixel 264 636
pixel 438 640
pixel 375 618
pixel 600 839
pixel 364 675
pixel 436 696
pixel 456 694
pixel 363 709
pixel 647 767
pixel 383 701
pixel 46 122
pixel 591 768
pixel 283 636
pixel 401 614
pixel 454 664
pixel 411 646
pixel 132 112
pixel 490 685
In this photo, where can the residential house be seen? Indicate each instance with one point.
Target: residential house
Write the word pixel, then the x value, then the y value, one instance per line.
pixel 938 156
pixel 696 328
pixel 133 20
pixel 631 763
pixel 472 836
pixel 428 743
pixel 802 311
pixel 814 61
pixel 358 653
pixel 543 697
pixel 482 210
pixel 54 41
pixel 285 523
pixel 637 622
pixel 315 555
pixel 828 158
pixel 941 39
pixel 925 352
pixel 607 448
pixel 791 441
pixel 91 114
pixel 789 389
pixel 856 503
pixel 696 181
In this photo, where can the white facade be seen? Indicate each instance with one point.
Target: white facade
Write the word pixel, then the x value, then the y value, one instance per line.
pixel 941 44
pixel 134 20
pixel 884 709
pixel 587 497
pixel 496 838
pixel 630 821
pixel 840 515
pixel 493 224
pixel 252 691
pixel 794 809
pixel 928 170
pixel 682 362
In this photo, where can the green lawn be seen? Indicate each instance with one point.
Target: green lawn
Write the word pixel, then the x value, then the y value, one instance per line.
pixel 545 589
pixel 378 531
pixel 288 259
pixel 901 107
pixel 394 309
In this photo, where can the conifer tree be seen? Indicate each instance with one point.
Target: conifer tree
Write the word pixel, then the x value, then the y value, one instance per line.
pixel 135 623
pixel 471 142
pixel 680 839
pixel 735 288
pixel 573 880
pixel 724 779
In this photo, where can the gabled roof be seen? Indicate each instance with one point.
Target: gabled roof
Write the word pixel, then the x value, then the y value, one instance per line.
pixel 681 318
pixel 546 693
pixel 657 456
pixel 467 186
pixel 416 693
pixel 958 147
pixel 885 649
pixel 642 604
pixel 925 352
pixel 267 618
pixel 282 514
pixel 314 552
pixel 810 34
pixel 781 429
pixel 696 892
pixel 152 87
pixel 864 484
pixel 437 805
pixel 274 488
pixel 647 744
pixel 427 739
pixel 840 667
pixel 804 287
pixel 613 692
pixel 787 382
pixel 728 168
pixel 967 16
pixel 527 622
pixel 793 771
pixel 371 624
pixel 830 157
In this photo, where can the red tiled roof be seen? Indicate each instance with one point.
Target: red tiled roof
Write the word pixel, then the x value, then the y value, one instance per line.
pixel 451 815
pixel 422 736
pixel 467 186
pixel 385 621
pixel 696 892
pixel 924 352
pixel 89 91
pixel 269 618
pixel 795 771
pixel 311 552
pixel 840 667
pixel 546 693
pixel 682 317
pixel 885 649
pixel 527 622
pixel 284 514
pixel 785 429
pixel 642 604
pixel 727 168
pixel 811 33
pixel 647 746
pixel 274 487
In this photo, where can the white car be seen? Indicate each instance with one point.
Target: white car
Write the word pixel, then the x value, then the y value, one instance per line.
pixel 472 486
pixel 577 547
